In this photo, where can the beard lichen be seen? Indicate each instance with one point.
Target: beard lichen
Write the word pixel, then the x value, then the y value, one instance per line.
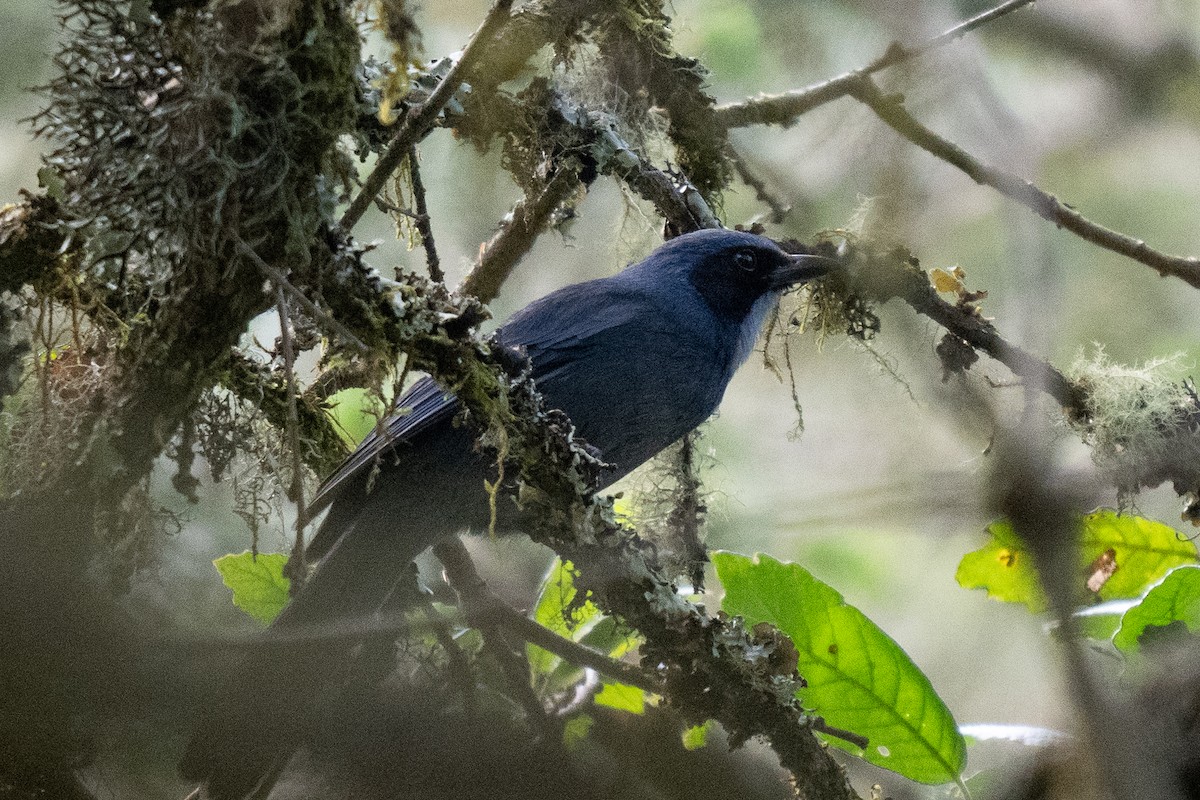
pixel 1143 426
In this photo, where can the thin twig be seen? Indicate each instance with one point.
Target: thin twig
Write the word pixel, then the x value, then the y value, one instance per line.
pixel 779 209
pixel 422 218
pixel 474 596
pixel 856 739
pixel 890 109
pixel 575 653
pixel 392 208
pixel 516 236
pixel 295 565
pixel 454 557
pixel 898 52
pixel 419 119
pixel 782 109
pixel 320 317
pixel 459 665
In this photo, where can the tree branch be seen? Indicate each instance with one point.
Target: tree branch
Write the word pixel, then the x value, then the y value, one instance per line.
pixel 782 109
pixel 516 236
pixel 421 218
pixel 897 52
pixel 896 274
pixel 890 109
pixel 418 121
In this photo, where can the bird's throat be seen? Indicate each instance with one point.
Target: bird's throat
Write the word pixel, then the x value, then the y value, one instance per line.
pixel 752 326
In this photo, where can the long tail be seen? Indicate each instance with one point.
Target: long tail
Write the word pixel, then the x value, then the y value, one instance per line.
pixel 269 701
pixel 431 486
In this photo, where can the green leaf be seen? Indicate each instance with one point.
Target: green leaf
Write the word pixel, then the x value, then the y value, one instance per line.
pixel 696 736
pixel 583 623
pixel 576 730
pixel 858 678
pixel 257 582
pixel 551 611
pixel 622 697
pixel 355 413
pixel 1175 600
pixel 1144 551
pixel 1004 567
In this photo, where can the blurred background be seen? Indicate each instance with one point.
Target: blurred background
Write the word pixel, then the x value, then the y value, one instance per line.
pixel 1096 101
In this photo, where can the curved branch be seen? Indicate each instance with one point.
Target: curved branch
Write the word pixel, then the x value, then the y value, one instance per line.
pixel 516 236
pixel 782 109
pixel 896 275
pixel 890 108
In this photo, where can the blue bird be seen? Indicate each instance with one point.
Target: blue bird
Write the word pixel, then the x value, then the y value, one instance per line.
pixel 636 360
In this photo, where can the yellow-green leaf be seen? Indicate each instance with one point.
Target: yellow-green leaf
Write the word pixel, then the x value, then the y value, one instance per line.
pixel 1004 567
pixel 622 697
pixel 1143 552
pixel 557 610
pixel 696 736
pixel 355 412
pixel 257 582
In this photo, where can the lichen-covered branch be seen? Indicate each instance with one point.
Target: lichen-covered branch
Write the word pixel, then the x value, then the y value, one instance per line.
pixel 1144 430
pixel 30 242
pixel 636 41
pixel 171 145
pixel 322 448
pixel 895 273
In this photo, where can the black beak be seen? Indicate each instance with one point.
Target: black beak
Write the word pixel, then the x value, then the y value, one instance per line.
pixel 800 269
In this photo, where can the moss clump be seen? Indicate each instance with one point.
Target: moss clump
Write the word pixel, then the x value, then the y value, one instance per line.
pixel 1144 427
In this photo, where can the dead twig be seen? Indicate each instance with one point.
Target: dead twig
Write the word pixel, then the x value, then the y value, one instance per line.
pixel 783 108
pixel 421 218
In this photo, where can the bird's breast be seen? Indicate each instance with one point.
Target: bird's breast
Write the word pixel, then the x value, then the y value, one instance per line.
pixel 635 397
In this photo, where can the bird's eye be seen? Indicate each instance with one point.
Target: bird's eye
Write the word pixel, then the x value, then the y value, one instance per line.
pixel 745 260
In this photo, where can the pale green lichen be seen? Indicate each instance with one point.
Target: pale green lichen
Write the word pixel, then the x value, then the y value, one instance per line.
pixel 1143 422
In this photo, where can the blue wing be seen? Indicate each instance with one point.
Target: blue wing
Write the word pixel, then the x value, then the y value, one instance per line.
pixel 423 406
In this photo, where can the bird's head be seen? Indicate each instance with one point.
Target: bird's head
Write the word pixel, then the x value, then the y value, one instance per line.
pixel 736 273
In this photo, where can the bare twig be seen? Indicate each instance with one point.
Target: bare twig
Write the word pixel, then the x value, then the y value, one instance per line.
pixel 856 739
pixel 890 109
pixel 473 596
pixel 320 317
pixel 422 218
pixel 459 664
pixel 392 208
pixel 516 236
pixel 485 607
pixel 782 109
pixel 779 209
pixel 418 121
pixel 576 653
pixel 295 565
pixel 897 52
